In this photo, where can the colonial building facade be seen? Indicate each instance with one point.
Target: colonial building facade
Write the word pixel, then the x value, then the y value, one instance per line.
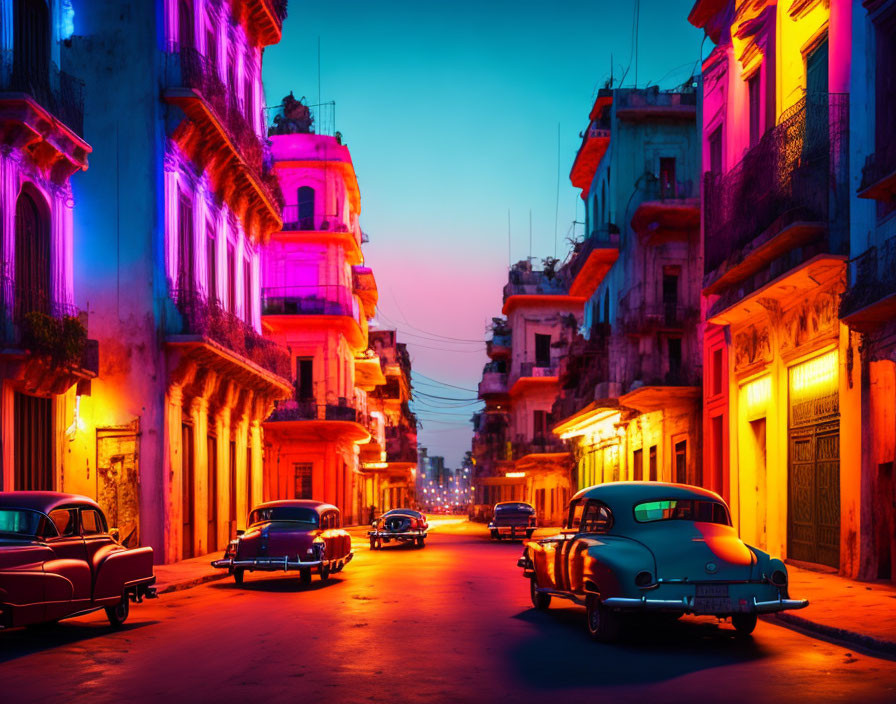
pixel 167 263
pixel 630 395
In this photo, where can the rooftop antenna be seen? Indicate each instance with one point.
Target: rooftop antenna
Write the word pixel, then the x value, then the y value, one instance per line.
pixel 557 197
pixel 530 234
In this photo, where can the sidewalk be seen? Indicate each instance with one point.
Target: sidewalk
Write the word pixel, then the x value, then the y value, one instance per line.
pixel 187 573
pixel 860 613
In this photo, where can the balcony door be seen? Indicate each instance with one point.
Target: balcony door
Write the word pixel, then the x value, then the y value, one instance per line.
pixel 32 443
pixel 542 350
pixel 32 256
pixel 31 41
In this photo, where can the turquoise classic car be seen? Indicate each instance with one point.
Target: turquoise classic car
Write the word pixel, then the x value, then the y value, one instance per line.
pixel 654 547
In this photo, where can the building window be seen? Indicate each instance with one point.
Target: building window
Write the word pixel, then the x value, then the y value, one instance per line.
pixel 653 467
pixel 31 41
pixel 717 371
pixel 542 350
pixel 540 426
pixel 667 177
pixel 681 462
pixel 715 151
pixel 302 480
pixel 231 278
pixel 32 426
pixel 885 98
pixel 185 24
pixel 638 465
pixel 670 296
pixel 304 378
pixel 673 345
pixel 32 256
pixel 753 96
pixel 718 454
pixel 247 291
pixel 211 44
pixel 306 208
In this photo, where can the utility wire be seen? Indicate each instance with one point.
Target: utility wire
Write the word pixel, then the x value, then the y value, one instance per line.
pixel 436 336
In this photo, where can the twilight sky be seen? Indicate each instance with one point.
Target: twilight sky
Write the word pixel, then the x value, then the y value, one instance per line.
pixel 451 113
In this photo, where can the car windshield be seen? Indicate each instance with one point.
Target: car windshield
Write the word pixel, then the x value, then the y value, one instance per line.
pixel 701 510
pixel 515 508
pixel 293 514
pixel 18 521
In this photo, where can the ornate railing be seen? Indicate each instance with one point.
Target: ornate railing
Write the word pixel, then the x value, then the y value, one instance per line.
pixel 197 316
pixel 308 300
pixel 797 171
pixel 293 220
pixel 872 277
pixel 292 409
pixel 187 67
pixel 539 445
pixel 57 92
pixel 586 365
pixel 534 369
pixel 534 282
pixel 604 237
pixel 879 165
pixel 636 315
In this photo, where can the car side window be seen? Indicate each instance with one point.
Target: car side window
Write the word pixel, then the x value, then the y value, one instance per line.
pixel 325 521
pixel 596 518
pixel 337 520
pixel 92 522
pixel 65 521
pixel 575 514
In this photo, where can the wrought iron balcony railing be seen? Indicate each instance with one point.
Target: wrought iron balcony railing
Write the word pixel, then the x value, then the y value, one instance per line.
pixel 534 283
pixel 309 300
pixel 539 369
pixel 55 91
pixel 879 167
pixel 198 316
pixel 797 171
pixel 294 220
pixel 539 445
pixel 292 409
pixel 872 277
pixel 604 237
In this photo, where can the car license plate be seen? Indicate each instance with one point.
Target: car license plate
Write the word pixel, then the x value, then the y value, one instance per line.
pixel 712 599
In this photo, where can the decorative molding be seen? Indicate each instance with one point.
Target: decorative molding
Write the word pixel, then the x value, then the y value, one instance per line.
pixel 810 320
pixel 751 346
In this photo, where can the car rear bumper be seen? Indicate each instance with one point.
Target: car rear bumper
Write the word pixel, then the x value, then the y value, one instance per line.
pixel 686 605
pixel 512 531
pixel 406 535
pixel 275 564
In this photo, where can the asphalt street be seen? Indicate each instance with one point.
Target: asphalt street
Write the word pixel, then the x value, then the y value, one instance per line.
pixel 449 623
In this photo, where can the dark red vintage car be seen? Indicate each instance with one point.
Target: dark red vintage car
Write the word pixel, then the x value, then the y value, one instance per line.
pixel 401 525
pixel 59 559
pixel 285 536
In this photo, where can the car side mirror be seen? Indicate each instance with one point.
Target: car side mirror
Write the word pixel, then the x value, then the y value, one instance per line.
pixel 116 534
pixel 239 532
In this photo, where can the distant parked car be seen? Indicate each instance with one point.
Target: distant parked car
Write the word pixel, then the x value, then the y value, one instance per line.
pixel 402 525
pixel 282 536
pixel 512 519
pixel 59 559
pixel 651 547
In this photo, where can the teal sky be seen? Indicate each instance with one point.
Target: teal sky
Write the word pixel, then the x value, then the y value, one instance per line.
pixel 451 112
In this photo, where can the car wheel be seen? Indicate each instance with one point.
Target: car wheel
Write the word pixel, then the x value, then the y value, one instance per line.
pixel 373 543
pixel 418 542
pixel 305 576
pixel 540 600
pixel 324 572
pixel 743 623
pixel 118 614
pixel 495 535
pixel 338 567
pixel 238 576
pixel 601 622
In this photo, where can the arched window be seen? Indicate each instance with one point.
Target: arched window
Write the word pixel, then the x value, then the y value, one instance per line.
pixel 31 42
pixel 32 258
pixel 607 305
pixel 306 208
pixel 185 29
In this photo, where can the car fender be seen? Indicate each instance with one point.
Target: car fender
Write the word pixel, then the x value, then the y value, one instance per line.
pixel 611 564
pixel 121 568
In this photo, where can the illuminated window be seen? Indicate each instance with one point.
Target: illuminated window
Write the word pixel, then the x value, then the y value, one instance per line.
pixel 754 107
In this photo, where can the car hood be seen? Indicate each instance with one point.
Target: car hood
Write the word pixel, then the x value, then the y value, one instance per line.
pixel 697 551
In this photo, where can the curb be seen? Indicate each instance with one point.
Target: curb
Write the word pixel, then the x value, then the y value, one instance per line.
pixel 190 583
pixel 880 646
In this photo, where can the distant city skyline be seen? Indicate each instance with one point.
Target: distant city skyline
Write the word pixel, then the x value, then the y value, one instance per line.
pixel 452 119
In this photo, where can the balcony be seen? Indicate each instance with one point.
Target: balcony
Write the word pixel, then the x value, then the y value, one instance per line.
pixel 523 281
pixel 639 103
pixel 784 203
pixel 42 110
pixel 309 300
pixel 499 345
pixel 539 370
pixel 587 367
pixel 879 173
pixel 592 260
pixel 638 316
pixel 595 142
pixel 659 386
pixel 669 212
pixel 539 445
pixel 295 410
pixel 264 19
pixel 219 135
pixel 43 342
pixel 870 301
pixel 494 382
pixel 364 285
pixel 197 321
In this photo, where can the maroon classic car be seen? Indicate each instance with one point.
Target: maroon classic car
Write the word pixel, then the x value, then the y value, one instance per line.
pixel 59 559
pixel 285 536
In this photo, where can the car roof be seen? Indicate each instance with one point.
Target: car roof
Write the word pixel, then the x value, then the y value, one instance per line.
pixel 619 494
pixel 318 506
pixel 501 504
pixel 44 501
pixel 403 510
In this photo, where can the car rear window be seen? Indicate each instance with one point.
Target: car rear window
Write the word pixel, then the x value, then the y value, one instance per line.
pixel 18 521
pixel 701 510
pixel 284 513
pixel 515 508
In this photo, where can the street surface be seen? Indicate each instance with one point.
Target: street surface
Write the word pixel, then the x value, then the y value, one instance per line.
pixel 449 623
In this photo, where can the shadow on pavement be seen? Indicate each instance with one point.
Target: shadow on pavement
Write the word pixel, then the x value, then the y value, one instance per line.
pixel 19 642
pixel 562 655
pixel 277 583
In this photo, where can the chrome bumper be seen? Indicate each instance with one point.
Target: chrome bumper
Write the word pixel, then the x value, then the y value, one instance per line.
pixel 273 564
pixel 388 534
pixel 686 604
